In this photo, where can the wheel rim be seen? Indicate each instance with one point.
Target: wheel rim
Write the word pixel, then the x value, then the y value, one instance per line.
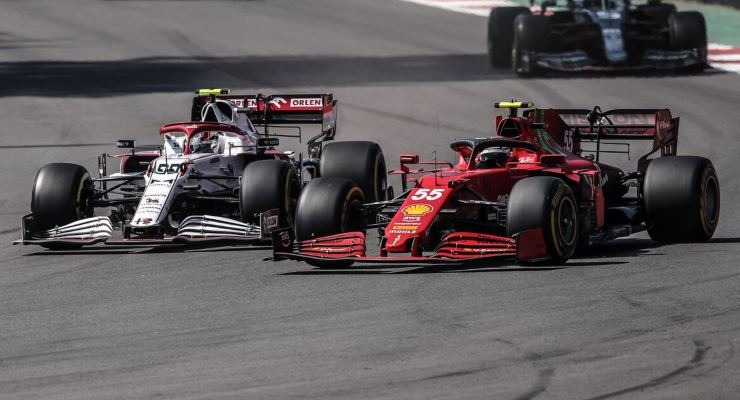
pixel 567 221
pixel 351 218
pixel 383 183
pixel 711 200
pixel 293 191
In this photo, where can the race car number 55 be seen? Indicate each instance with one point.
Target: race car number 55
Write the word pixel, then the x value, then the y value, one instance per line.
pixel 428 194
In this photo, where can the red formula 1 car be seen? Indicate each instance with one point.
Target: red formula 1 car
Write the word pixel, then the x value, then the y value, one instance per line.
pixel 535 191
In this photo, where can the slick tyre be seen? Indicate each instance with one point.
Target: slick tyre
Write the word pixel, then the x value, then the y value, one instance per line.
pixel 266 185
pixel 61 195
pixel 501 34
pixel 329 206
pixel 682 199
pixel 531 35
pixel 688 31
pixel 548 203
pixel 361 162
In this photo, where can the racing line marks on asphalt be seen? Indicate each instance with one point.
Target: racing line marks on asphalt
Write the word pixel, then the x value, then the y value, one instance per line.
pixel 720 56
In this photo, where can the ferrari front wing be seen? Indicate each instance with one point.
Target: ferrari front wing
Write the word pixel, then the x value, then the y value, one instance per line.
pixel 456 249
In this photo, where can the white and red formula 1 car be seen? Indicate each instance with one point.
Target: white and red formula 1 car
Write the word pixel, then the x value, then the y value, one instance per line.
pixel 216 179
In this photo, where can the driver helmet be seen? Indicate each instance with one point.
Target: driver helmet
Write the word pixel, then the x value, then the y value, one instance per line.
pixel 200 144
pixel 493 157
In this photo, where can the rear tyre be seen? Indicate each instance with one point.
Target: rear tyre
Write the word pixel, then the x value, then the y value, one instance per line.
pixel 266 185
pixel 688 31
pixel 329 206
pixel 361 162
pixel 532 34
pixel 682 198
pixel 501 34
pixel 61 195
pixel 545 202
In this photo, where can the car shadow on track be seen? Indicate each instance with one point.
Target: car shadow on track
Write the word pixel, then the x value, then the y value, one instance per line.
pixel 648 74
pixel 178 74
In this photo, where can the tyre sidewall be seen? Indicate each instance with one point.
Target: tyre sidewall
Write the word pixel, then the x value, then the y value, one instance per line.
pixel 59 195
pixel 325 207
pixel 675 199
pixel 538 202
pixel 266 185
pixel 359 161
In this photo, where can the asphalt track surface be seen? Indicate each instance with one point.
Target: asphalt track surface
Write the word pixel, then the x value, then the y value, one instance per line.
pixel 627 320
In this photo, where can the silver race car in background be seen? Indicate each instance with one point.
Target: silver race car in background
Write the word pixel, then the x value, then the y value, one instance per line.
pixel 596 35
pixel 216 179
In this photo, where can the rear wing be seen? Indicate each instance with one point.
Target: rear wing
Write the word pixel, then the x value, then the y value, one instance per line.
pixel 622 124
pixel 277 110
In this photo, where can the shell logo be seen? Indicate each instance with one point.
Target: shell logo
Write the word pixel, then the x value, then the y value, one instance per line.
pixel 417 209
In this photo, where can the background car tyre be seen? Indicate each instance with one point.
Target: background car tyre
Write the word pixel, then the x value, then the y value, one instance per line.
pixel 269 184
pixel 501 34
pixel 329 206
pixel 60 195
pixel 532 34
pixel 682 198
pixel 361 162
pixel 549 203
pixel 688 31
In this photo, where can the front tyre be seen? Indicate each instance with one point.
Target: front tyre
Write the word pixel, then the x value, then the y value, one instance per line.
pixel 532 34
pixel 266 185
pixel 361 162
pixel 688 31
pixel 501 34
pixel 682 198
pixel 329 206
pixel 548 203
pixel 61 195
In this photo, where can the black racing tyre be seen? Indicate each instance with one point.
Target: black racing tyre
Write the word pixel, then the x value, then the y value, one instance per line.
pixel 266 185
pixel 545 202
pixel 362 162
pixel 687 30
pixel 326 207
pixel 681 197
pixel 501 34
pixel 532 34
pixel 61 195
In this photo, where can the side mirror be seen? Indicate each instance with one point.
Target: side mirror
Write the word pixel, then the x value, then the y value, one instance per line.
pixel 409 158
pixel 125 143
